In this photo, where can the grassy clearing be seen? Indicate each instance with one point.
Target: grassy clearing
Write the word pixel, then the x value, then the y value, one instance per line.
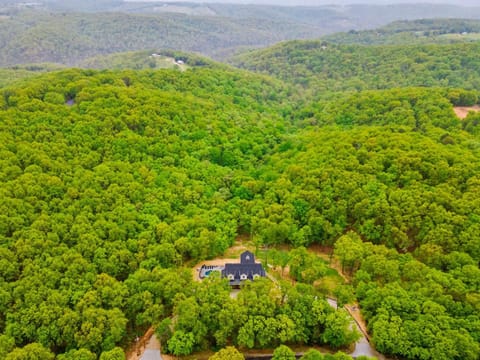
pixel 136 60
pixel 462 37
pixel 326 283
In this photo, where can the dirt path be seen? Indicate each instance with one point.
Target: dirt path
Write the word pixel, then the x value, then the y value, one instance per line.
pixel 325 252
pixel 462 111
pixel 147 342
pixel 354 312
pixel 353 309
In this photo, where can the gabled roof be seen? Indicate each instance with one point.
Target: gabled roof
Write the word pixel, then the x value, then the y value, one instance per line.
pixel 247 257
pixel 246 269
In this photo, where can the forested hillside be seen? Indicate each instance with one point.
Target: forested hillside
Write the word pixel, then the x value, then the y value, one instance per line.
pixel 379 157
pixel 424 31
pixel 108 178
pixel 150 59
pixel 67 32
pixel 322 67
pixel 69 38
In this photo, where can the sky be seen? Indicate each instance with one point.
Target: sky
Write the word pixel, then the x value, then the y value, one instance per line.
pixel 325 2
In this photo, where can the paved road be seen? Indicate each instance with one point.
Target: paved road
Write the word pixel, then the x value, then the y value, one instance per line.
pixel 152 350
pixel 362 346
pixel 151 355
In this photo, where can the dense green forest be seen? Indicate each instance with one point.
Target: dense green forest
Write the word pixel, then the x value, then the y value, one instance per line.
pixel 69 38
pixel 17 73
pixel 150 59
pixel 322 68
pixel 111 180
pixel 103 175
pixel 11 76
pixel 114 183
pixel 263 315
pixel 68 32
pixel 423 31
pixel 374 159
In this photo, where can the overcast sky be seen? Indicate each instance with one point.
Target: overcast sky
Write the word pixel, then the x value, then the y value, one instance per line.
pixel 324 2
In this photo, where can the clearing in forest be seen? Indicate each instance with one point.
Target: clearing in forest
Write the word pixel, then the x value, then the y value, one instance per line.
pixel 462 111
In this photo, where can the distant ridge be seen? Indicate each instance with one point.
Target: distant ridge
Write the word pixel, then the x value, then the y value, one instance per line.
pixel 68 32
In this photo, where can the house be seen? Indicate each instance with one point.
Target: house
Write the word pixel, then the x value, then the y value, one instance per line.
pixel 247 269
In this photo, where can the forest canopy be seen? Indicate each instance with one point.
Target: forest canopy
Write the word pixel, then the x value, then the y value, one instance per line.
pixel 114 182
pixel 320 67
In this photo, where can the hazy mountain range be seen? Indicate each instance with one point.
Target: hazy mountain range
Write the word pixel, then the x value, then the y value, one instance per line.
pixel 35 32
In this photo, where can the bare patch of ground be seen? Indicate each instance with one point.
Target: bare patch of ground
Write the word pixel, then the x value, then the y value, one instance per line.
pixel 462 111
pixel 277 273
pixel 242 243
pixel 231 256
pixel 168 357
pixel 214 262
pixel 180 65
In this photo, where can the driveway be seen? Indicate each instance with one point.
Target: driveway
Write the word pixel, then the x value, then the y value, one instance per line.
pixel 152 350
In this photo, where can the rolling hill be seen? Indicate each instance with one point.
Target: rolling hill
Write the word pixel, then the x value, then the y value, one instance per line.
pixel 69 38
pixel 424 31
pixel 322 68
pixel 67 32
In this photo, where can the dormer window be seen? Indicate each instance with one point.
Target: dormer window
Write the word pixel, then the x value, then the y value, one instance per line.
pixel 245 270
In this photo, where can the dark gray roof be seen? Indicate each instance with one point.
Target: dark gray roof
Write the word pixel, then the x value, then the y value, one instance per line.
pixel 247 257
pixel 244 269
pixel 247 267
